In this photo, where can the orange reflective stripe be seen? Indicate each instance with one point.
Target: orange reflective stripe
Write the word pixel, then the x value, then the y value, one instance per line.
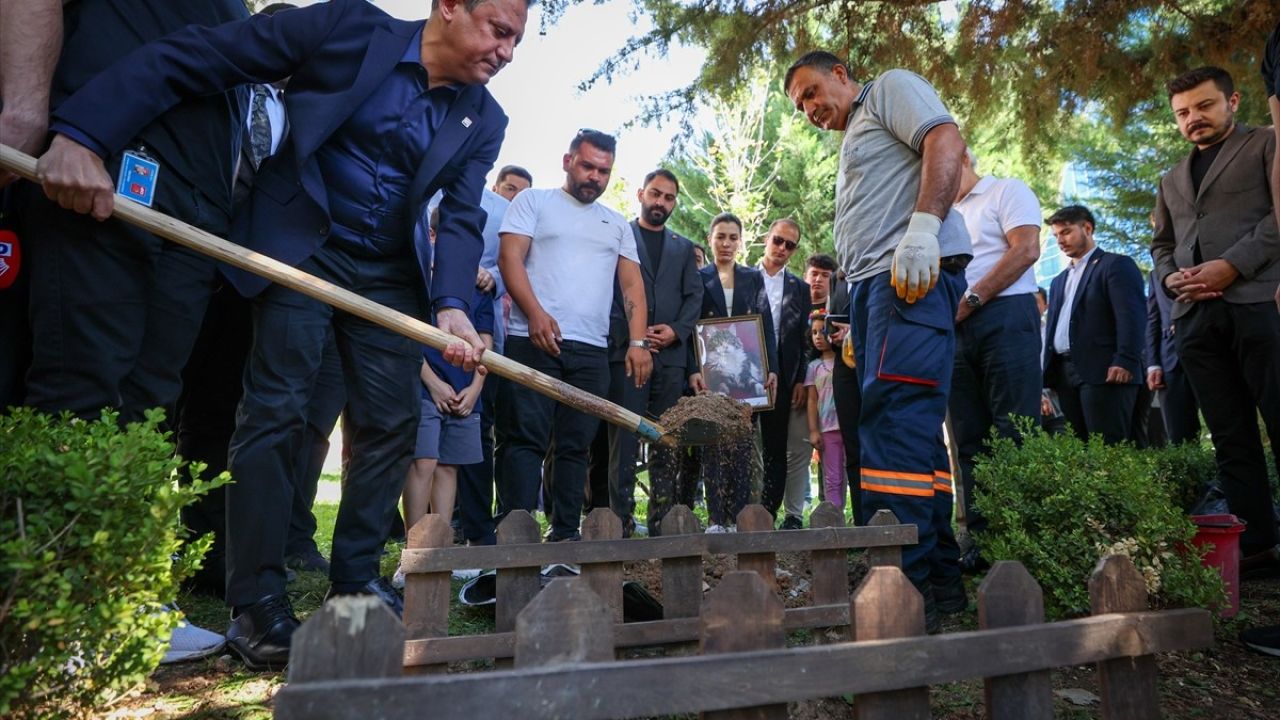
pixel 891 475
pixel 942 474
pixel 897 483
pixel 943 487
pixel 897 490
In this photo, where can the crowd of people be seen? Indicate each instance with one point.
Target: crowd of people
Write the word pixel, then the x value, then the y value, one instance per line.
pixel 355 147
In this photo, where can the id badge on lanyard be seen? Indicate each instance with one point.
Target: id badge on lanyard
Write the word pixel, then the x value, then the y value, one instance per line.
pixel 138 173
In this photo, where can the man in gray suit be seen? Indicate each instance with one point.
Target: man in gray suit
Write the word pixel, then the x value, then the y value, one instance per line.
pixel 673 294
pixel 1216 249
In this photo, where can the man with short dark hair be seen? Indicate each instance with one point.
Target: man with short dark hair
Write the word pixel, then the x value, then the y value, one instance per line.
pixel 904 251
pixel 997 370
pixel 1094 332
pixel 1216 249
pixel 512 180
pixel 361 82
pixel 560 253
pixel 785 428
pixel 673 296
pixel 819 273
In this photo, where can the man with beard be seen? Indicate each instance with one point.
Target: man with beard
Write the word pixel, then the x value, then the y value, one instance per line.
pixel 673 296
pixel 559 254
pixel 1216 249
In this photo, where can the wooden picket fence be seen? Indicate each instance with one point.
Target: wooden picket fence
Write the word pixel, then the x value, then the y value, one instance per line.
pixel 519 556
pixel 347 659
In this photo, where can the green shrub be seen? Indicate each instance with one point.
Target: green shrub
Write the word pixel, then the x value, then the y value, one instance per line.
pixel 1186 469
pixel 1057 505
pixel 88 530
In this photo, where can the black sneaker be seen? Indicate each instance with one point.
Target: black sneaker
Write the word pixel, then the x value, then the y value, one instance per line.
pixel 791 522
pixel 379 587
pixel 1265 640
pixel 574 536
pixel 309 560
pixel 949 595
pixel 972 562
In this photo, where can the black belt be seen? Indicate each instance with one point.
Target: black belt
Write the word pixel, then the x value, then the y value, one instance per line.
pixel 955 263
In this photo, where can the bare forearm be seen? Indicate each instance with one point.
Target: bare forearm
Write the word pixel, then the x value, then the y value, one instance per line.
pixel 1023 251
pixel 30 42
pixel 633 302
pixel 511 263
pixel 943 151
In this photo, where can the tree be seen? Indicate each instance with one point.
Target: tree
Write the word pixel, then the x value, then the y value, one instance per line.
pixel 762 162
pixel 1048 60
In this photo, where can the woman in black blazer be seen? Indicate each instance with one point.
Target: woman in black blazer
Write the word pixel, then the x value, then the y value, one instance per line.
pixel 731 290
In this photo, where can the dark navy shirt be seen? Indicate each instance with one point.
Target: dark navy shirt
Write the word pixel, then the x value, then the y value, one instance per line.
pixel 370 160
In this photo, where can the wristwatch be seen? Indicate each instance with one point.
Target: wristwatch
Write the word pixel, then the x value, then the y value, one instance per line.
pixel 642 344
pixel 973 300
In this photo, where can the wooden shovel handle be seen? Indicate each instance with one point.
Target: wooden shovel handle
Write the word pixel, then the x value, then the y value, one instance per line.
pixel 215 247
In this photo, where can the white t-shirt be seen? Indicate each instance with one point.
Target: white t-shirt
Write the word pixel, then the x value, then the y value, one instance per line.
pixel 991 209
pixel 571 262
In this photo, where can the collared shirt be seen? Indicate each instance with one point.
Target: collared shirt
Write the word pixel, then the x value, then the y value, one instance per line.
pixel 773 286
pixel 1062 332
pixel 370 160
pixel 879 177
pixel 991 209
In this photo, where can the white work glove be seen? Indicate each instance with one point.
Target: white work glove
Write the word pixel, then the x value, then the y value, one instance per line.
pixel 915 262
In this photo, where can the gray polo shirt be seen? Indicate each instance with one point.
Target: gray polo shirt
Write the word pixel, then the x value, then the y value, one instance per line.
pixel 879 176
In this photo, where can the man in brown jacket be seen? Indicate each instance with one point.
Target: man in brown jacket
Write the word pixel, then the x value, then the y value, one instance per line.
pixel 1216 249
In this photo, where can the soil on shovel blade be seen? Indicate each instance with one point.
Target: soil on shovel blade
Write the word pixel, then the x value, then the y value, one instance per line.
pixel 728 419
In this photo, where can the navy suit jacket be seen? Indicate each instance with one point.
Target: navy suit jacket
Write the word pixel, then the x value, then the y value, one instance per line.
pixel 335 55
pixel 748 298
pixel 792 348
pixel 1160 347
pixel 1106 320
pixel 672 293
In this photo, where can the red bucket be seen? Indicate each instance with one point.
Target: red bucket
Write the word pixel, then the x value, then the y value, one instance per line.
pixel 1220 534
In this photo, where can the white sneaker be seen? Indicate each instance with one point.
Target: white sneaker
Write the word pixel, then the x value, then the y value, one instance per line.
pixel 641 530
pixel 466 574
pixel 189 642
pixel 397 580
pixel 717 530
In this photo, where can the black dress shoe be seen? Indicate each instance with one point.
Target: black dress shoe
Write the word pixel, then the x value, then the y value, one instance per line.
pixel 379 587
pixel 262 633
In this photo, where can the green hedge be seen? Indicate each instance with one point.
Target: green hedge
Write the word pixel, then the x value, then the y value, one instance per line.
pixel 89 529
pixel 1057 505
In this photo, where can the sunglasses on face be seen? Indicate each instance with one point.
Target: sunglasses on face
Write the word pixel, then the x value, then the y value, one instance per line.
pixel 779 240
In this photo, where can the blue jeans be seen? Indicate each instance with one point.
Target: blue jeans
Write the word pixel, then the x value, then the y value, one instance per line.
pixel 530 423
pixel 997 376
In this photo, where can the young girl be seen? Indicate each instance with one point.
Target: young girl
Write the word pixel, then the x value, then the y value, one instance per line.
pixel 824 428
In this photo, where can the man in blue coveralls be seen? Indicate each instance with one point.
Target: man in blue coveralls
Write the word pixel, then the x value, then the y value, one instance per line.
pixel 904 250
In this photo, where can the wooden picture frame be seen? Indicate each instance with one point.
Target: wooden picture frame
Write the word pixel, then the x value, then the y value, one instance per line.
pixel 732 359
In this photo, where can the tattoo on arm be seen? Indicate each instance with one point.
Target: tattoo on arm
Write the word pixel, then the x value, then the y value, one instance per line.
pixel 629 308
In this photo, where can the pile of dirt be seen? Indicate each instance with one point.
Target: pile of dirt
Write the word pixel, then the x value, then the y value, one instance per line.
pixel 708 415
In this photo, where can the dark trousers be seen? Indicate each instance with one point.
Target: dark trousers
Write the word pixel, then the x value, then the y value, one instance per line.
pixel 598 468
pixel 848 398
pixel 380 372
pixel 906 353
pixel 1178 407
pixel 1231 354
pixel 773 440
pixel 475 481
pixel 532 423
pixel 995 379
pixel 328 396
pixel 213 383
pixel 114 310
pixel 653 398
pixel 1092 409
